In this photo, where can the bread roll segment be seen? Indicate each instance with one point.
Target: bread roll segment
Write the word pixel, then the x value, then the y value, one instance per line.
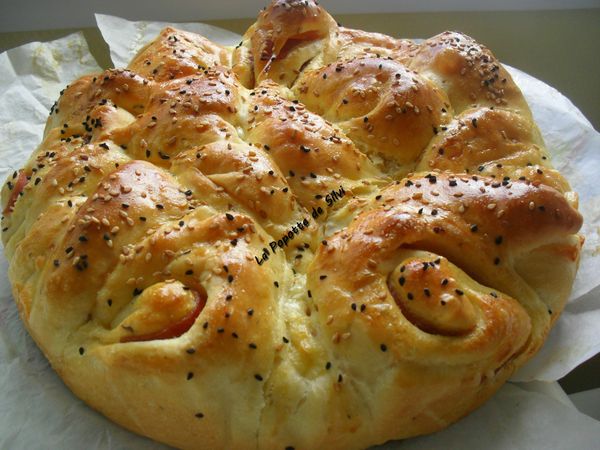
pixel 323 238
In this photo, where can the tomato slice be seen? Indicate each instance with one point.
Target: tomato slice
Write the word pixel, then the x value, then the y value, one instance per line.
pixel 176 329
pixel 16 191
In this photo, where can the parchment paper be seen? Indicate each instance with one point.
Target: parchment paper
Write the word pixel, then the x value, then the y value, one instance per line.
pixel 38 412
pixel 126 38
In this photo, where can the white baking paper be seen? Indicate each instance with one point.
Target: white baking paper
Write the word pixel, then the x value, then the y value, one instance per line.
pixel 575 149
pixel 126 38
pixel 31 77
pixel 38 412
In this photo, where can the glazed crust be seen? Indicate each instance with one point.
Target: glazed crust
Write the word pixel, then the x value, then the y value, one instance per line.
pixel 323 238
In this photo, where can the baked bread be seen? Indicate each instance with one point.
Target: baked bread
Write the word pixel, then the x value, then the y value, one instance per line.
pixel 323 238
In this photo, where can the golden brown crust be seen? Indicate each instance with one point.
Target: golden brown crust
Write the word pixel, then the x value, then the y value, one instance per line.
pixel 468 72
pixel 287 35
pixel 175 54
pixel 388 111
pixel 355 44
pixel 324 238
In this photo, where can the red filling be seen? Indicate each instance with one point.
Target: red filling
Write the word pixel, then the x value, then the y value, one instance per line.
pixel 16 191
pixel 174 330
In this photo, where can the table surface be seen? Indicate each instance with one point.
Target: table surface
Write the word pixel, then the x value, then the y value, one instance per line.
pixel 558 47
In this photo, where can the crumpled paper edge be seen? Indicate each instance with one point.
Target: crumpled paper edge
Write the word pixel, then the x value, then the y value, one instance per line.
pixel 125 38
pixel 548 106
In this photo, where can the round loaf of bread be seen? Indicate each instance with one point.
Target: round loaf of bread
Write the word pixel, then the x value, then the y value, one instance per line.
pixel 320 239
